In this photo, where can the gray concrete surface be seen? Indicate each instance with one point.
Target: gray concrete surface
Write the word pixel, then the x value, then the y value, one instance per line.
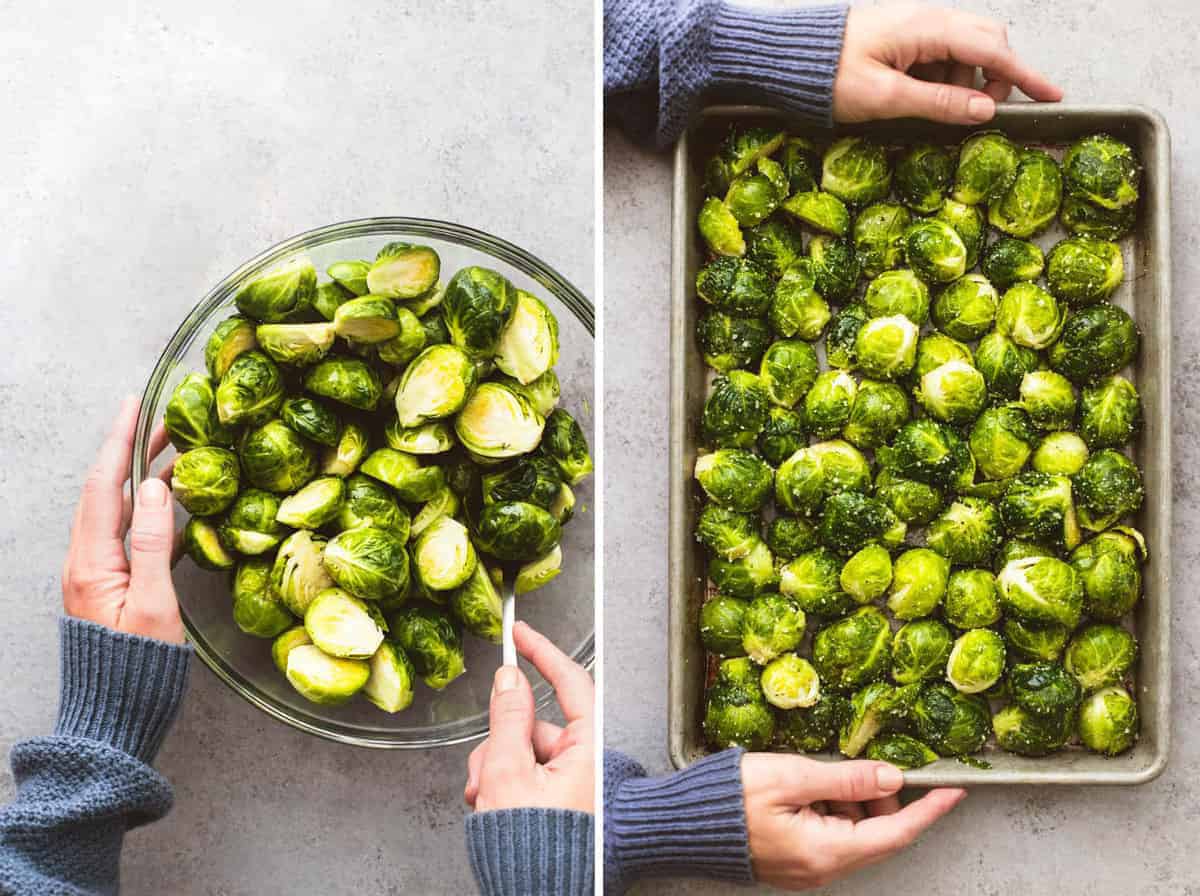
pixel 1025 840
pixel 149 149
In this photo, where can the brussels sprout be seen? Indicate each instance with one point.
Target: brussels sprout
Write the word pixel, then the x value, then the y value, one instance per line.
pixel 1044 689
pixel 367 503
pixel 966 308
pixel 329 297
pixel 814 473
pixel 324 679
pixel 796 308
pixel 935 250
pixel 1082 270
pixel 913 502
pixel 836 267
pixel 516 531
pixel 856 171
pixel 721 621
pixel 898 292
pixel 886 347
pixel 812 729
pixel 1049 399
pixel 343 458
pixel 853 651
pixel 790 536
pixel 351 276
pixel 842 336
pixel 347 380
pixel 232 337
pixel 1031 201
pixel 281 293
pixel 967 532
pixel 1001 441
pixel 498 423
pixel 931 452
pixel 1042 590
pixel 735 711
pixel 790 682
pixel 444 503
pixel 774 245
pixel 436 437
pixel 1083 218
pixel 205 480
pixel 1110 568
pixel 477 606
pixel 314 505
pixel 202 542
pixel 476 308
pixel 404 473
pixel 190 417
pixel 1004 364
pixel 782 435
pixel 954 393
pixel 920 651
pixel 434 325
pixel 976 661
pixel 972 599
pixel 1026 734
pixel 872 709
pixel 534 479
pixel 1030 316
pixel 735 286
pixel 1112 413
pixel 953 724
pixel 878 412
pixel 407 344
pixel 250 525
pixel 390 685
pixel 828 403
pixel 1103 171
pixel 1016 548
pixel 730 342
pixel 719 228
pixel 789 369
pixel 312 420
pixel 251 390
pixel 1100 655
pixel 936 349
pixel 285 643
pixel 1009 260
pixel 727 533
pixel 735 479
pixel 738 153
pixel 1060 453
pixel 342 625
pixel 435 385
pixel 900 750
pixel 753 197
pixel 987 164
pixel 565 444
pixel 367 320
pixel 1041 507
pixel 403 271
pixel 823 212
pixel 747 575
pixel 257 609
pixel 867 574
pixel 736 411
pixel 800 162
pixel 919 578
pixel 1096 341
pixel 432 642
pixel 528 345
pixel 812 580
pixel 298 573
pixel 970 225
pixel 1108 721
pixel 369 562
pixel 923 175
pixel 444 555
pixel 1035 641
pixel 1107 487
pixel 851 520
pixel 879 236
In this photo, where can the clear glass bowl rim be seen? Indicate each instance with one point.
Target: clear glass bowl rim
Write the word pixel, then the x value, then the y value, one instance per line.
pixel 400 227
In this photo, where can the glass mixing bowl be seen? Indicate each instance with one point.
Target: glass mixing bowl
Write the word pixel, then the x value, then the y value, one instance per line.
pixel 563 610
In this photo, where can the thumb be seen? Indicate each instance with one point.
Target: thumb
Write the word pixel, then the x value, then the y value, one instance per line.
pixel 510 738
pixel 949 103
pixel 151 538
pixel 851 781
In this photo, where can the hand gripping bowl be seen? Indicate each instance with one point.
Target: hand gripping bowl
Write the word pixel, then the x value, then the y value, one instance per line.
pixel 562 610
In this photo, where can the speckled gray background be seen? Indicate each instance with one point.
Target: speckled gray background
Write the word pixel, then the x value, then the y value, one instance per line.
pixel 147 150
pixel 1024 840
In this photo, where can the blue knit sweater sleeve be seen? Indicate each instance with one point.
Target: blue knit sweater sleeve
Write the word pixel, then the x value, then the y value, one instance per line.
pixel 80 790
pixel 664 58
pixel 532 852
pixel 688 824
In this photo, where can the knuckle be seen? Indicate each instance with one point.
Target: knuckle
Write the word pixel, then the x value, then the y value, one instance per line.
pixel 149 541
pixel 943 100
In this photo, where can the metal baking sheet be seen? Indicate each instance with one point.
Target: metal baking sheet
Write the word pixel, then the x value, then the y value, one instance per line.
pixel 1146 294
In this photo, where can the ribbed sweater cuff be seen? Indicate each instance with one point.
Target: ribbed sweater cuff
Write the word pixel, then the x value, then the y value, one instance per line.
pixel 689 824
pixel 785 58
pixel 532 852
pixel 119 689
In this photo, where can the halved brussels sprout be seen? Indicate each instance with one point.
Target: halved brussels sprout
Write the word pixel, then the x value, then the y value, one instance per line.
pixel 916 503
pixel 250 526
pixel 403 271
pixel 368 503
pixel 987 164
pixel 565 444
pixel 970 225
pixel 285 643
pixel 789 536
pixel 867 574
pixel 436 437
pixel 251 390
pixel 342 625
pixel 855 650
pixel 298 573
pixel 343 458
pixel 1107 487
pixel 1061 454
pixel 190 417
pixel 325 679
pixel 856 171
pixel 736 411
pixel 444 555
pixel 1041 507
pixel 841 338
pixel 1004 364
pixel 297 344
pixel 390 686
pixel 734 478
pixel 936 349
pixel 404 473
pixel 477 606
pixel 231 337
pixel 820 211
pixel 369 562
pixel 851 520
pixel 923 175
pixel 787 372
pixel 1097 341
pixel 347 380
pixel 281 293
pixel 721 620
pixel 828 403
pixel 730 342
pixel 1100 655
pixel 771 626
pixel 444 504
pixel 516 531
pixel 535 479
pixel 1026 734
pixel 739 152
pixel 872 709
pixel 886 347
pixel 746 576
pixel 920 651
pixel 314 505
pixel 540 572
pixel 434 325
pixel 800 162
pixel 435 385
pixel 1084 218
pixel 257 609
pixel 498 423
pixel 953 724
pixel 1103 171
pixel 814 473
pixel 205 480
pixel 528 345
pixel 1044 688
pixel 1049 399
pixel 898 292
pixel 476 308
pixel 976 661
pixel 351 275
pixel 367 320
pixel 1033 641
pixel 727 533
pixel 1029 204
pixel 406 344
pixel 966 308
pixel 931 452
pixel 774 245
pixel 203 544
pixel 967 532
pixel 790 682
pixel 836 267
pixel 878 412
pixel 1030 316
pixel 753 196
pixel 812 581
pixel 935 250
pixel 1082 270
pixel 972 599
pixel 1041 590
pixel 312 420
pixel 735 711
pixel 1108 721
pixel 900 750
pixel 1009 260
pixel 811 730
pixel 954 392
pixel 796 308
pixel 879 236
pixel 328 297
pixel 919 579
pixel 276 458
pixel 432 642
pixel 1112 413
pixel 719 228
pixel 1001 441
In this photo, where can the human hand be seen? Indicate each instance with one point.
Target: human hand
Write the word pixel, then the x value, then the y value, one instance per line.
pixel 812 822
pixel 918 61
pixel 526 762
pixel 101 584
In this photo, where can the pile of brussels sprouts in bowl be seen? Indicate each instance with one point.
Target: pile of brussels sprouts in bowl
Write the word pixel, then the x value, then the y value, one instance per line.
pixel 367 458
pixel 916 481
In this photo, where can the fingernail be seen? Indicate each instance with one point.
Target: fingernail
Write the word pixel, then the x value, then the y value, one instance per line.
pixel 888 777
pixel 506 679
pixel 980 108
pixel 153 493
